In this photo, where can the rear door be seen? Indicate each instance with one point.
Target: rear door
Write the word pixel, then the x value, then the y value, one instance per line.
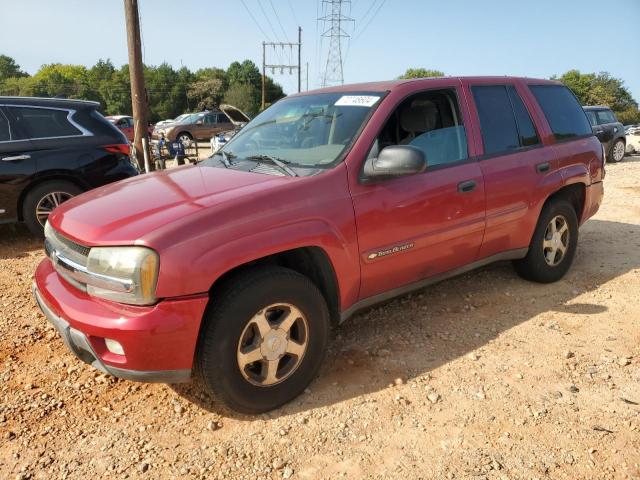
pixel 17 166
pixel 514 163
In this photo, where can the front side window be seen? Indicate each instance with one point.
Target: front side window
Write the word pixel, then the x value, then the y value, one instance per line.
pixel 497 119
pixel 605 116
pixel 430 121
pixel 562 110
pixel 306 130
pixel 44 122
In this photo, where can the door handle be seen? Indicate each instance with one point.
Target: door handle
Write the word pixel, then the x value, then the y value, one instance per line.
pixel 543 167
pixel 468 186
pixel 16 158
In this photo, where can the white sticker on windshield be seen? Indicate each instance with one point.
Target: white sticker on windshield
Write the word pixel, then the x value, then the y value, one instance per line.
pixel 357 101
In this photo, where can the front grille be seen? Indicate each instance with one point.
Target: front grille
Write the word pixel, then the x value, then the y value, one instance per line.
pixel 71 245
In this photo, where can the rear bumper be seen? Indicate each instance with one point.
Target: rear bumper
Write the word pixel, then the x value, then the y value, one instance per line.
pixel 159 341
pixel 594 194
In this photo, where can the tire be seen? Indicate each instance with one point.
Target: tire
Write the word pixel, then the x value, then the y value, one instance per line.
pixel 45 197
pixel 185 137
pixel 540 264
pixel 231 329
pixel 617 151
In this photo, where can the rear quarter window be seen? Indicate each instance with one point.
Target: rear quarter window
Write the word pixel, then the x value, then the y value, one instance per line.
pixel 562 110
pixel 44 122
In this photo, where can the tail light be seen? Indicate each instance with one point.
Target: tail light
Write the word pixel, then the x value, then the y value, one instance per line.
pixel 123 148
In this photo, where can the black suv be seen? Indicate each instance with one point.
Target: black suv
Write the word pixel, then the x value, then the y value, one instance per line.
pixel 52 149
pixel 609 130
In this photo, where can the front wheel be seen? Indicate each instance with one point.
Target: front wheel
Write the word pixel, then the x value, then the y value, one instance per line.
pixel 263 339
pixel 553 245
pixel 617 151
pixel 40 202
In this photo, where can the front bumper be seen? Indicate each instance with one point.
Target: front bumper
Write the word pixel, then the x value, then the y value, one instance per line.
pixel 159 341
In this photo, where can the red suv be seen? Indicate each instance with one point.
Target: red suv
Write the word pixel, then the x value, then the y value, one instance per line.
pixel 327 202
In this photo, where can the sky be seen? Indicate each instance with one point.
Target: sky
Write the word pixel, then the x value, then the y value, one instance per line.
pixel 533 38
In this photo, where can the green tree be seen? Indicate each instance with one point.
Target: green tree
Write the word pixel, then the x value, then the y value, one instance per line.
pixel 10 69
pixel 599 89
pixel 421 73
pixel 243 96
pixel 208 88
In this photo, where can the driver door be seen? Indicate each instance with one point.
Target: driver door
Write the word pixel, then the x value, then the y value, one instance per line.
pixel 418 226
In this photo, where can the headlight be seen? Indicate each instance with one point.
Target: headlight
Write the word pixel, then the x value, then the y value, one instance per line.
pixel 123 274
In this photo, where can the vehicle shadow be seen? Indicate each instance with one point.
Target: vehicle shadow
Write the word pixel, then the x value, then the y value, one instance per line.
pixel 16 240
pixel 412 335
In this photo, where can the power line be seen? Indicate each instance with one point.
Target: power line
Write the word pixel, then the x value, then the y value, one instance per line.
pixel 295 17
pixel 254 20
pixel 279 22
pixel 264 13
pixel 370 20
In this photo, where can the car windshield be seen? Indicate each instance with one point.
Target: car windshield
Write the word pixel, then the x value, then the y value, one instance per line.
pixel 307 131
pixel 190 118
pixel 181 117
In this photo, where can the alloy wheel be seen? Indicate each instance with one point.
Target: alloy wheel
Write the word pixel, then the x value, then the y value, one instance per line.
pixel 618 151
pixel 556 240
pixel 272 344
pixel 47 203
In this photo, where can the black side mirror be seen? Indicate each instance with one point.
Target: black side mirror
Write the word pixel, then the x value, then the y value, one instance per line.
pixel 395 161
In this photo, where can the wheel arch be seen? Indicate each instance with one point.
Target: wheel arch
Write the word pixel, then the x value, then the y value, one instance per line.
pixel 44 179
pixel 310 261
pixel 575 194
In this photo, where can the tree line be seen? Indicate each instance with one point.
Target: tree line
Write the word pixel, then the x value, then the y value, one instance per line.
pixel 590 88
pixel 170 92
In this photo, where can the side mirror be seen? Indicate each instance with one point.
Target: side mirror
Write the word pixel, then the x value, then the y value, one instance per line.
pixel 199 122
pixel 395 161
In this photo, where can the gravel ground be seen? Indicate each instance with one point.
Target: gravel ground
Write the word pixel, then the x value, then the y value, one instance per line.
pixel 484 376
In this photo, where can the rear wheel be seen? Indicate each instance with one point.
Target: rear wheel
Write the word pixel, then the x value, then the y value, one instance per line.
pixel 40 202
pixel 617 151
pixel 263 340
pixel 553 245
pixel 185 138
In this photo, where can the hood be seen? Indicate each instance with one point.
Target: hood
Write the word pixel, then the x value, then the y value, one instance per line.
pixel 237 116
pixel 127 212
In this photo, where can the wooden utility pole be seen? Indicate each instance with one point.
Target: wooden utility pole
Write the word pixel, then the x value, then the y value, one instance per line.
pixel 138 93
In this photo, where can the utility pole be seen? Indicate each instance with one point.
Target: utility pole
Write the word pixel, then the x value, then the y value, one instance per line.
pixel 281 67
pixel 299 57
pixel 333 71
pixel 264 76
pixel 138 92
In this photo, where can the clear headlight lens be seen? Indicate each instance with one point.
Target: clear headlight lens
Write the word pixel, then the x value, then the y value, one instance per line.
pixel 127 274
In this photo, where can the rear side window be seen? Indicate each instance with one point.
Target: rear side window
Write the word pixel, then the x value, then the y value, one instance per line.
pixel 562 110
pixel 44 122
pixel 5 131
pixel 526 129
pixel 497 121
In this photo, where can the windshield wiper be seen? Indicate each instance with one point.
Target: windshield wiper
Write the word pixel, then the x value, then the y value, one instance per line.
pixel 225 157
pixel 279 162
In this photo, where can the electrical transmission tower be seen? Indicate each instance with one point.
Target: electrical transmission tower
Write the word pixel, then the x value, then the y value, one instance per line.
pixel 335 19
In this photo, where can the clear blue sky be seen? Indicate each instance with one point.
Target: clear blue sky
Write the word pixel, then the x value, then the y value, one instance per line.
pixel 535 38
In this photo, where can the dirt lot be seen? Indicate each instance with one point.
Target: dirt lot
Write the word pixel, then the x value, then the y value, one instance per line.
pixel 483 376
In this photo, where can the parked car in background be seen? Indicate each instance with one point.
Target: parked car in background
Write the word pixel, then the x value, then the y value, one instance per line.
pixel 202 125
pixel 608 130
pixel 326 203
pixel 52 150
pixel 633 140
pixel 125 124
pixel 171 120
